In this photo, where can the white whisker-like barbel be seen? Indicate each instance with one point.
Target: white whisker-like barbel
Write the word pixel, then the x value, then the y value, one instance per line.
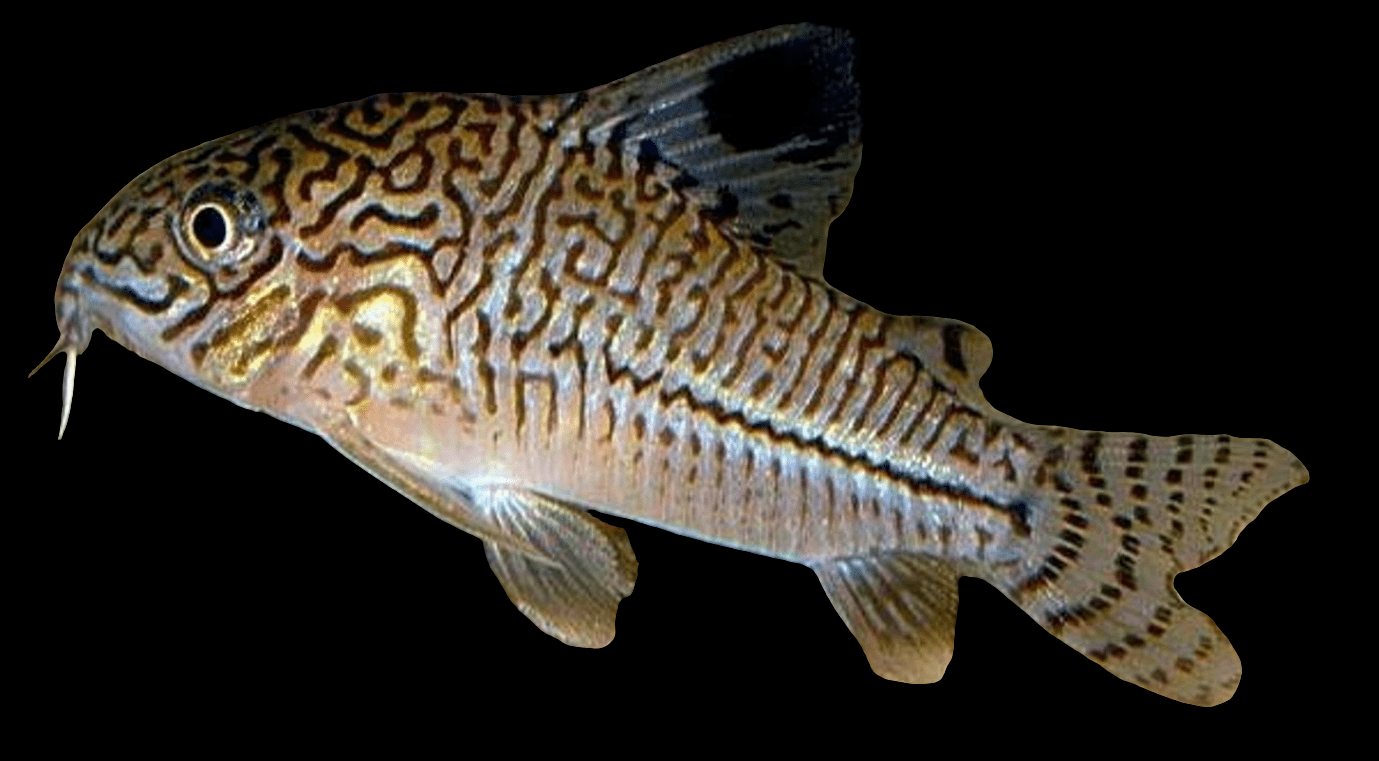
pixel 513 310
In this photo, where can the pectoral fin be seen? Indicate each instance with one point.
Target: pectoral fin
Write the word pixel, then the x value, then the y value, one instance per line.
pixel 563 568
pixel 582 567
pixel 901 607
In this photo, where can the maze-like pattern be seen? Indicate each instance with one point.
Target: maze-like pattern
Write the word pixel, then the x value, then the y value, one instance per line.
pixel 482 257
pixel 510 272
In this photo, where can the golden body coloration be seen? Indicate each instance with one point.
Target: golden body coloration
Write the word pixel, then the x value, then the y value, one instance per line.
pixel 514 309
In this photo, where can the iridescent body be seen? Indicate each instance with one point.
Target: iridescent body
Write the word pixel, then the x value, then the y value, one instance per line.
pixel 514 309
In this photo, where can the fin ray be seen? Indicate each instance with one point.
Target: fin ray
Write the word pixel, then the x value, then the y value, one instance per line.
pixel 572 589
pixel 763 132
pixel 1134 512
pixel 901 607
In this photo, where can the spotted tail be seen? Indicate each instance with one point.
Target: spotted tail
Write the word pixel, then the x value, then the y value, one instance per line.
pixel 1126 514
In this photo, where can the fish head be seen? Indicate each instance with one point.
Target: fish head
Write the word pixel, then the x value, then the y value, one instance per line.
pixel 170 268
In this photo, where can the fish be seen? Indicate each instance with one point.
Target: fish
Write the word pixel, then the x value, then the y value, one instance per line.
pixel 956 352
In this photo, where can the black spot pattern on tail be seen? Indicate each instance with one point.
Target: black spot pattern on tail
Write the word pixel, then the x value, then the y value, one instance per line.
pixel 1140 510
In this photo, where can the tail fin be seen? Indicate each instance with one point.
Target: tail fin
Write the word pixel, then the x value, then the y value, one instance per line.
pixel 1127 514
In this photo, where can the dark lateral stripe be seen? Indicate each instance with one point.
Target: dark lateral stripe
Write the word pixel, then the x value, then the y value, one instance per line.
pixel 1017 512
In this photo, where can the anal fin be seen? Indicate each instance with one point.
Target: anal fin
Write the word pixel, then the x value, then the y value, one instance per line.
pixel 579 571
pixel 901 607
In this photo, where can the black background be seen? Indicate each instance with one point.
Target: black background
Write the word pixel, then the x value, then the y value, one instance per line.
pixel 1123 207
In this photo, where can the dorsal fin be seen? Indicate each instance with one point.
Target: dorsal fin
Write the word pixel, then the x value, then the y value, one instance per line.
pixel 763 132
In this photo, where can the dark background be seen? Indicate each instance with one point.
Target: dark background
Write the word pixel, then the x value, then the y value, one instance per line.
pixel 1124 207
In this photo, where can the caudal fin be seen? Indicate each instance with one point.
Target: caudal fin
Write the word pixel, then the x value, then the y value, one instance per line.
pixel 1129 513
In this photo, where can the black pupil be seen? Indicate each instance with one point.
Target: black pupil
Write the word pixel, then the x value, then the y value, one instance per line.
pixel 209 227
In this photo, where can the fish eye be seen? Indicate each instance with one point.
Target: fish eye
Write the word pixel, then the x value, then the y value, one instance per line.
pixel 219 224
pixel 209 226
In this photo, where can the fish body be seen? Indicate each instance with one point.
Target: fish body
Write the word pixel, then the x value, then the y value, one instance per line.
pixel 513 309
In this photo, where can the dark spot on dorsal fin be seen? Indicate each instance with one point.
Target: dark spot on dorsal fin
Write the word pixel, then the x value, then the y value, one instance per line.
pixel 647 156
pixel 725 209
pixel 799 87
